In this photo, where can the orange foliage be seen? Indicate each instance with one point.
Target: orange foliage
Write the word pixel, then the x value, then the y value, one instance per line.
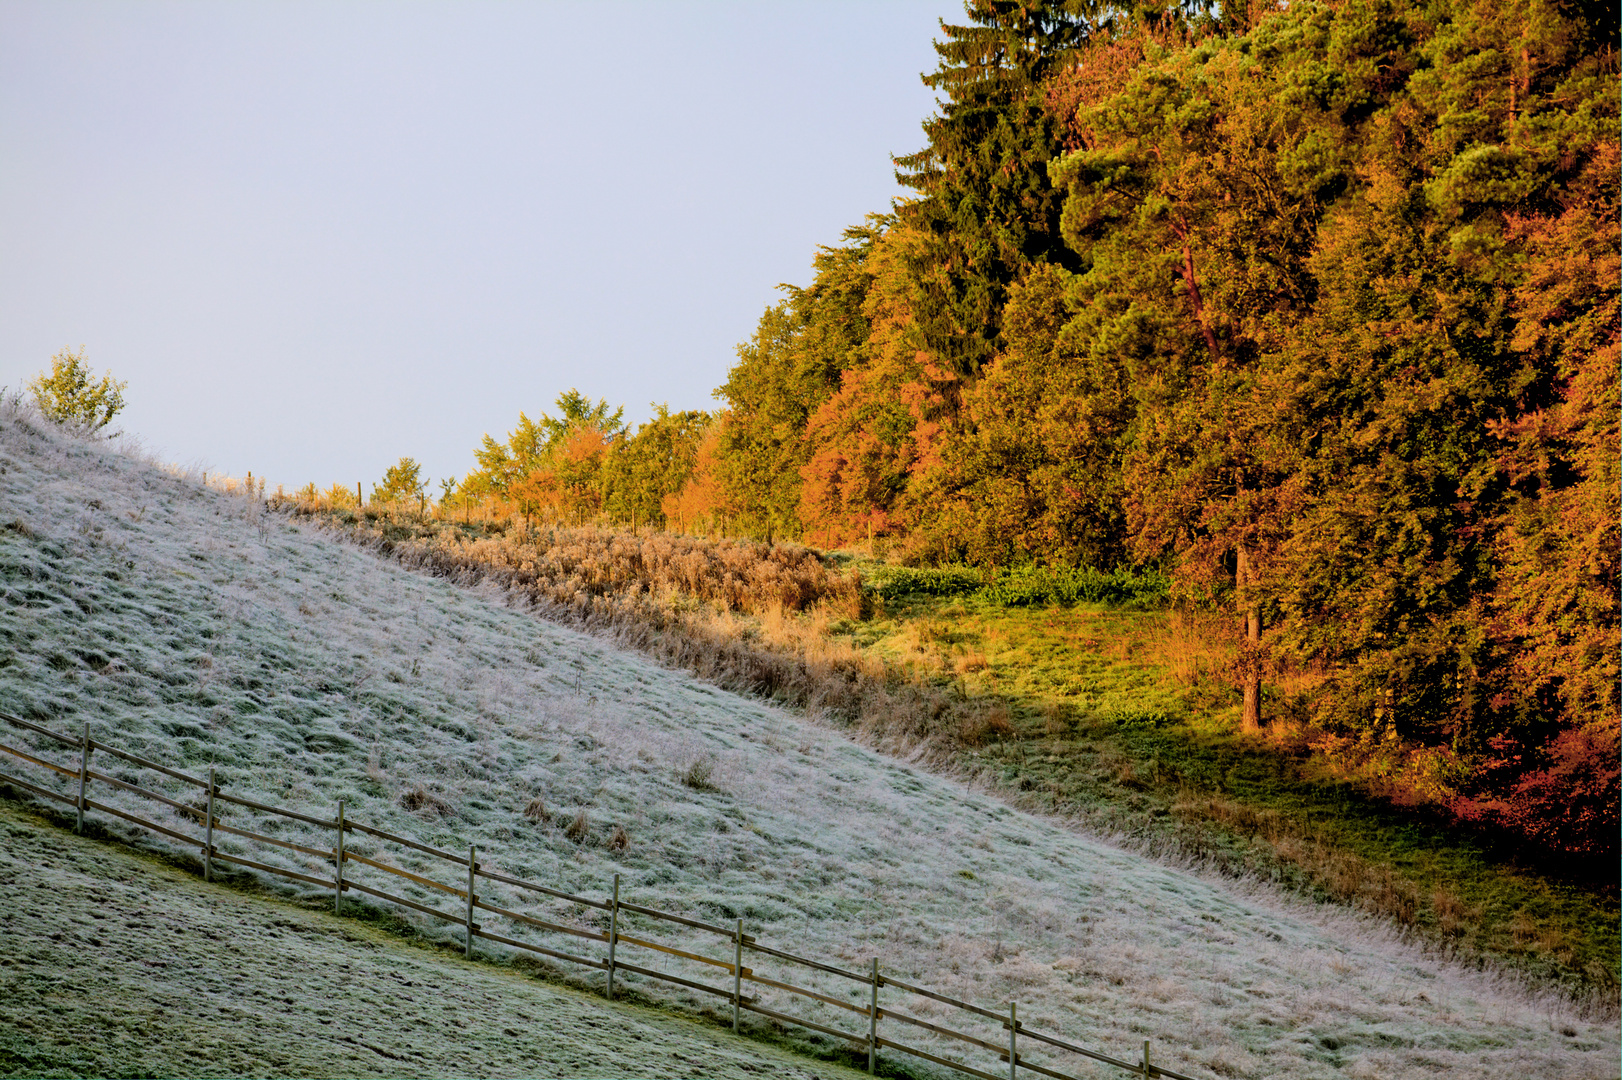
pixel 886 424
pixel 1557 599
pixel 701 505
pixel 537 491
pixel 1099 72
pixel 565 487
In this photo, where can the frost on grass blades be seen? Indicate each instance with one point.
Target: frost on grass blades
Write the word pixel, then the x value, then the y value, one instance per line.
pixel 490 895
pixel 194 629
pixel 138 969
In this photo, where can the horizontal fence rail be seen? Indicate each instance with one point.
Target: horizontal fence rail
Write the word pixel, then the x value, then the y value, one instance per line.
pixel 336 869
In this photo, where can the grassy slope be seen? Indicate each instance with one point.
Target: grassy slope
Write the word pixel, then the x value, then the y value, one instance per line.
pixel 197 630
pixel 1106 731
pixel 120 964
pixel 1119 720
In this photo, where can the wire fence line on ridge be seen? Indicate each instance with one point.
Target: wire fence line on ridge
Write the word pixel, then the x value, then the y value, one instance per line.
pixel 839 998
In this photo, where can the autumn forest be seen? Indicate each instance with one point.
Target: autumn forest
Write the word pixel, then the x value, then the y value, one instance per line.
pixel 1311 308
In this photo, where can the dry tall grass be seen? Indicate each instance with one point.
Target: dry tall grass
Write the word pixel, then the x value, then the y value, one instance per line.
pixel 737 575
pixel 1193 645
pixel 672 598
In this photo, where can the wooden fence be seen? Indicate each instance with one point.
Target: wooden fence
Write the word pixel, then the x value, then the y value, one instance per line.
pixel 613 922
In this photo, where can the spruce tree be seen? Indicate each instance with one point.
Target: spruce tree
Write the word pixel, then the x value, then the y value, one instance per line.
pixel 984 198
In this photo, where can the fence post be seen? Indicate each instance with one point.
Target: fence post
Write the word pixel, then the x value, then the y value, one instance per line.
pixel 1013 1032
pixel 613 933
pixel 208 829
pixel 1145 1059
pixel 873 1020
pixel 358 497
pixel 84 768
pixel 472 865
pixel 338 856
pixel 737 973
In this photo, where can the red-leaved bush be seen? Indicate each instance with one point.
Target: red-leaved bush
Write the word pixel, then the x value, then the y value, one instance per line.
pixel 1561 797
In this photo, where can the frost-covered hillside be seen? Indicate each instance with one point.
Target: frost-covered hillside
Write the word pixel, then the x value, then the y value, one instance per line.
pixel 136 968
pixel 197 629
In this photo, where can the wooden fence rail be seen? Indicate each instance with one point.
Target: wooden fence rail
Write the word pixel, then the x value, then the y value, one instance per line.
pixel 467 891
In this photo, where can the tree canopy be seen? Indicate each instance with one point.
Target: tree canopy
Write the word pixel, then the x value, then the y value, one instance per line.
pixel 1312 307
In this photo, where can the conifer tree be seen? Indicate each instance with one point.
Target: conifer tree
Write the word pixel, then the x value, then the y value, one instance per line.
pixel 1033 473
pixel 984 200
pixel 643 469
pixel 554 464
pixel 403 482
pixel 801 349
pixel 69 395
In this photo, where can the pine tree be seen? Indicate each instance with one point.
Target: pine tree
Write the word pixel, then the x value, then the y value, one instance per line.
pixel 403 482
pixel 69 396
pixel 1033 474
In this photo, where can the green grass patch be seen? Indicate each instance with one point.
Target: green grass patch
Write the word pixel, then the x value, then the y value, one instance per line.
pixel 1120 718
pixel 1020 586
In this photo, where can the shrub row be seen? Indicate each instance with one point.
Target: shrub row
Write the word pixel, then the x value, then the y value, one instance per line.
pixel 1026 586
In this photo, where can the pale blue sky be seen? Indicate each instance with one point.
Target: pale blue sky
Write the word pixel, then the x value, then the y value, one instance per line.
pixel 317 236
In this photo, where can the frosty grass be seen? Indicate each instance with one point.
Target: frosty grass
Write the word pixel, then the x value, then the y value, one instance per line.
pixel 191 626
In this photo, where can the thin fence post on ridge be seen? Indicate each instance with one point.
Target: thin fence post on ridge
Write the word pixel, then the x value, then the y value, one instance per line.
pixel 1145 1059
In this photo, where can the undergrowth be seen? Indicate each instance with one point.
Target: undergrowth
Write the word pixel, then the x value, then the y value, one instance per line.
pixel 1023 586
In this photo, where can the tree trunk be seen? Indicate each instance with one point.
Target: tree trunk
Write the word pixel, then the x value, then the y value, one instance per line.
pixel 1250 718
pixel 1187 272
